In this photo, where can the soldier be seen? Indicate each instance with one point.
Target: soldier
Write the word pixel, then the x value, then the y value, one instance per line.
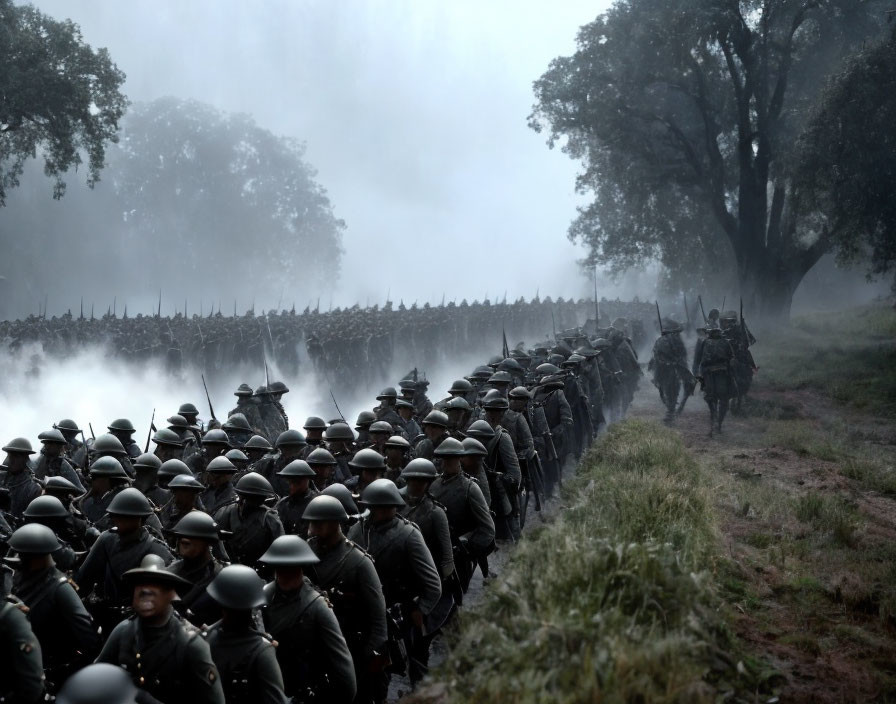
pixel 273 419
pixel 410 428
pixel 191 414
pixel 558 414
pixel 323 463
pixel 472 529
pixel 460 388
pixel 347 574
pixel 312 652
pixel 248 407
pixel 18 479
pixel 219 476
pixel 51 462
pixel 398 450
pixel 367 466
pixel 314 428
pixel 252 524
pixel 48 511
pixel 77 530
pixel 290 446
pixel 75 452
pixel 277 389
pixel 719 385
pixel 168 445
pixel 123 429
pixel 21 668
pixel 472 463
pixel 365 418
pixel 196 534
pixel 244 657
pixel 101 474
pixel 502 457
pixel 411 583
pixel 146 467
pixel 431 521
pixel 386 410
pixel 580 404
pixel 290 508
pixel 379 432
pixel 256 449
pixel 99 578
pixel 240 460
pixel 107 445
pixel 65 630
pixel 238 429
pixel 185 490
pixel 435 428
pixel 339 438
pixel 214 443
pixel 743 366
pixel 670 370
pixel 165 655
pixel 422 404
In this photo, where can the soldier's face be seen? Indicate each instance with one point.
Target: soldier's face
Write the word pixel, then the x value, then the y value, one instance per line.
pixel 298 486
pixel 394 454
pixel 152 601
pixel 53 449
pixel 433 431
pixel 324 531
pixel 16 461
pixel 517 404
pixel 126 524
pixel 314 434
pixel 323 471
pixel 451 465
pixel 405 413
pixel 191 548
pixel 417 487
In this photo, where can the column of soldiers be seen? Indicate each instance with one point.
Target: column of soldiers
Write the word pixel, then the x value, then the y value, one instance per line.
pixel 722 364
pixel 247 560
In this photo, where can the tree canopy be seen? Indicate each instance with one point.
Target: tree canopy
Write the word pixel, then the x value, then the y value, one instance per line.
pixel 684 114
pixel 58 97
pixel 847 159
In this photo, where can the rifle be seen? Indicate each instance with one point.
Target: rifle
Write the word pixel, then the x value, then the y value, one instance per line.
pixel 722 309
pixel 90 425
pixel 208 398
pixel 337 406
pixel 505 349
pixel 687 313
pixel 554 326
pixel 152 422
pixel 659 317
pixel 703 312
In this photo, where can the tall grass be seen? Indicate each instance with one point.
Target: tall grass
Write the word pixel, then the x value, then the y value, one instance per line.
pixel 611 602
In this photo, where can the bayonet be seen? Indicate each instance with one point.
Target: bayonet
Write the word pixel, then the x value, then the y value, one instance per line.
pixel 702 312
pixel 337 406
pixel 659 318
pixel 152 423
pixel 208 398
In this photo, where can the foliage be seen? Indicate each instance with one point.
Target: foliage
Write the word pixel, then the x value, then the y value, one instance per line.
pixel 847 166
pixel 684 114
pixel 612 601
pixel 57 96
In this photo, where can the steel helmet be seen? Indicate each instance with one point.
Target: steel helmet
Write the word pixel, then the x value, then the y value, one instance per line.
pixel 236 455
pixel 365 418
pixel 494 400
pixel 520 392
pixel 325 508
pixel 399 442
pixel 449 447
pixel 68 425
pixel 509 364
pixel 436 418
pixel 60 486
pixel 215 436
pixel 237 421
pixel 257 442
pixel 481 430
pixel 420 468
pixel 278 387
pixel 289 551
pixel 147 461
pixel 297 468
pixel 339 431
pixel 473 447
pixel 500 378
pixel 106 467
pixel 45 506
pixel 187 409
pixel 129 502
pixel 100 683
pixel 237 587
pixel 20 446
pixel 197 524
pixel 320 456
pixel 178 421
pixel 402 403
pixel 387 393
pixel 122 424
pixel 221 465
pixel 290 438
pixel 382 492
pixel 545 369
pixel 164 436
pixel 367 459
pixel 34 539
pixel 185 482
pixel 152 571
pixel 254 484
pixel 244 390
pixel 482 372
pixel 171 468
pixel 315 423
pixel 380 426
pixel 109 444
pixel 52 435
pixel 344 495
pixel 458 403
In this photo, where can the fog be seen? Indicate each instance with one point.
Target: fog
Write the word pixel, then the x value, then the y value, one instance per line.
pixel 413 113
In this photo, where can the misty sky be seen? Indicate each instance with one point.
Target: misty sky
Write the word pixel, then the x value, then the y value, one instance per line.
pixel 414 113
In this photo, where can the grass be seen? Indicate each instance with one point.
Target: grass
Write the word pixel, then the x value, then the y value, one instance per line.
pixel 615 600
pixel 849 356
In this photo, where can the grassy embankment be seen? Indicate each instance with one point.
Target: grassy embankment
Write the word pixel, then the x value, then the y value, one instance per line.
pixel 807 498
pixel 614 600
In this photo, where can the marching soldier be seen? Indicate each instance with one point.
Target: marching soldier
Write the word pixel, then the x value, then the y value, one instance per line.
pixel 719 385
pixel 195 535
pixel 219 475
pixel 51 461
pixel 291 507
pixel 253 526
pixel 18 479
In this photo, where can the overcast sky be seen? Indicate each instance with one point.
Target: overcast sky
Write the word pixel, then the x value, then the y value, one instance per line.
pixel 414 113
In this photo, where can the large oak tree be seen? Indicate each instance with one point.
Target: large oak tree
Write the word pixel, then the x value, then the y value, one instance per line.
pixel 685 114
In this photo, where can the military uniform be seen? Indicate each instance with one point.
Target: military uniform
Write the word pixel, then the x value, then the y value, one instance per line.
pixel 254 528
pixel 430 519
pixel 312 653
pixel 22 487
pixel 468 515
pixel 670 371
pixel 203 610
pixel 21 665
pixel 290 509
pixel 247 663
pixel 171 662
pixel 58 466
pixel 719 385
pixel 214 498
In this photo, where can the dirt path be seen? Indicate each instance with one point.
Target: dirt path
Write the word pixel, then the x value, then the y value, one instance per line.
pixel 811 550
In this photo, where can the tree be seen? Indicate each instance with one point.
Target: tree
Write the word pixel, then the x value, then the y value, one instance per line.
pixel 847 159
pixel 685 113
pixel 57 95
